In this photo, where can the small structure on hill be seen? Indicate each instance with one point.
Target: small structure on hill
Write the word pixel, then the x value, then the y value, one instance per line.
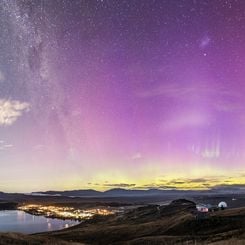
pixel 202 208
pixel 202 211
pixel 222 205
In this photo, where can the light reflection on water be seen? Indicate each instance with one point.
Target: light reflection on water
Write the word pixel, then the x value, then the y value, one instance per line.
pixel 19 221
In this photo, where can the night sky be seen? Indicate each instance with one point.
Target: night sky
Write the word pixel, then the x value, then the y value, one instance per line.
pixel 114 93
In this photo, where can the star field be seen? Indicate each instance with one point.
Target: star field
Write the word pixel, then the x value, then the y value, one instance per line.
pixel 136 93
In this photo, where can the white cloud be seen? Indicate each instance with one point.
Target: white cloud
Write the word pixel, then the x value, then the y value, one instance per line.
pixel 11 110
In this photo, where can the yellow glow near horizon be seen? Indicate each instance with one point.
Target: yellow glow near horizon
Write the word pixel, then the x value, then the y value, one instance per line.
pixel 145 177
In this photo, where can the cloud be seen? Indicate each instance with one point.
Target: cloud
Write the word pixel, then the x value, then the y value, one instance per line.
pixel 155 186
pixel 189 182
pixel 120 185
pixel 176 182
pixel 11 110
pixel 199 180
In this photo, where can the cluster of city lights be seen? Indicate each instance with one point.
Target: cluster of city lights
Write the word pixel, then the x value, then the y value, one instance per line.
pixel 64 212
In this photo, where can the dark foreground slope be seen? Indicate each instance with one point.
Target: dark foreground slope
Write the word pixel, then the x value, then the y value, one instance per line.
pixel 21 239
pixel 172 224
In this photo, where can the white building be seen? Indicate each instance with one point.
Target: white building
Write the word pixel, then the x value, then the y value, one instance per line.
pixel 202 208
pixel 222 205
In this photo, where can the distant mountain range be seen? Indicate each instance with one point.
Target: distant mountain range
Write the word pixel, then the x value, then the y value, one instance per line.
pixel 110 193
pixel 119 192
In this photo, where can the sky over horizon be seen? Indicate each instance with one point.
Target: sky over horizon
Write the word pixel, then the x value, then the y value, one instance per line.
pixel 134 94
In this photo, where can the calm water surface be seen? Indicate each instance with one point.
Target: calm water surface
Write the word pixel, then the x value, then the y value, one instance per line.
pixel 19 221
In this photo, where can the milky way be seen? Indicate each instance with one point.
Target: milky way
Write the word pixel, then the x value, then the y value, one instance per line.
pixel 136 93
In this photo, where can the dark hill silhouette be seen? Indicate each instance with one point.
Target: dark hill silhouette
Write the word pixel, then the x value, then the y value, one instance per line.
pixel 152 224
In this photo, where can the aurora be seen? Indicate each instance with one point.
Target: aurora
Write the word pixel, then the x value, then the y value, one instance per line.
pixel 132 94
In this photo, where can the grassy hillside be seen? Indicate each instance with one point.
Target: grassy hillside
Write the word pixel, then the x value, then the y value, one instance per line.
pixel 174 224
pixel 20 239
pixel 170 225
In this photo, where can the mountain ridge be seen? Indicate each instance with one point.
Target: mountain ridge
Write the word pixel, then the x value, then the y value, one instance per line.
pixel 139 192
